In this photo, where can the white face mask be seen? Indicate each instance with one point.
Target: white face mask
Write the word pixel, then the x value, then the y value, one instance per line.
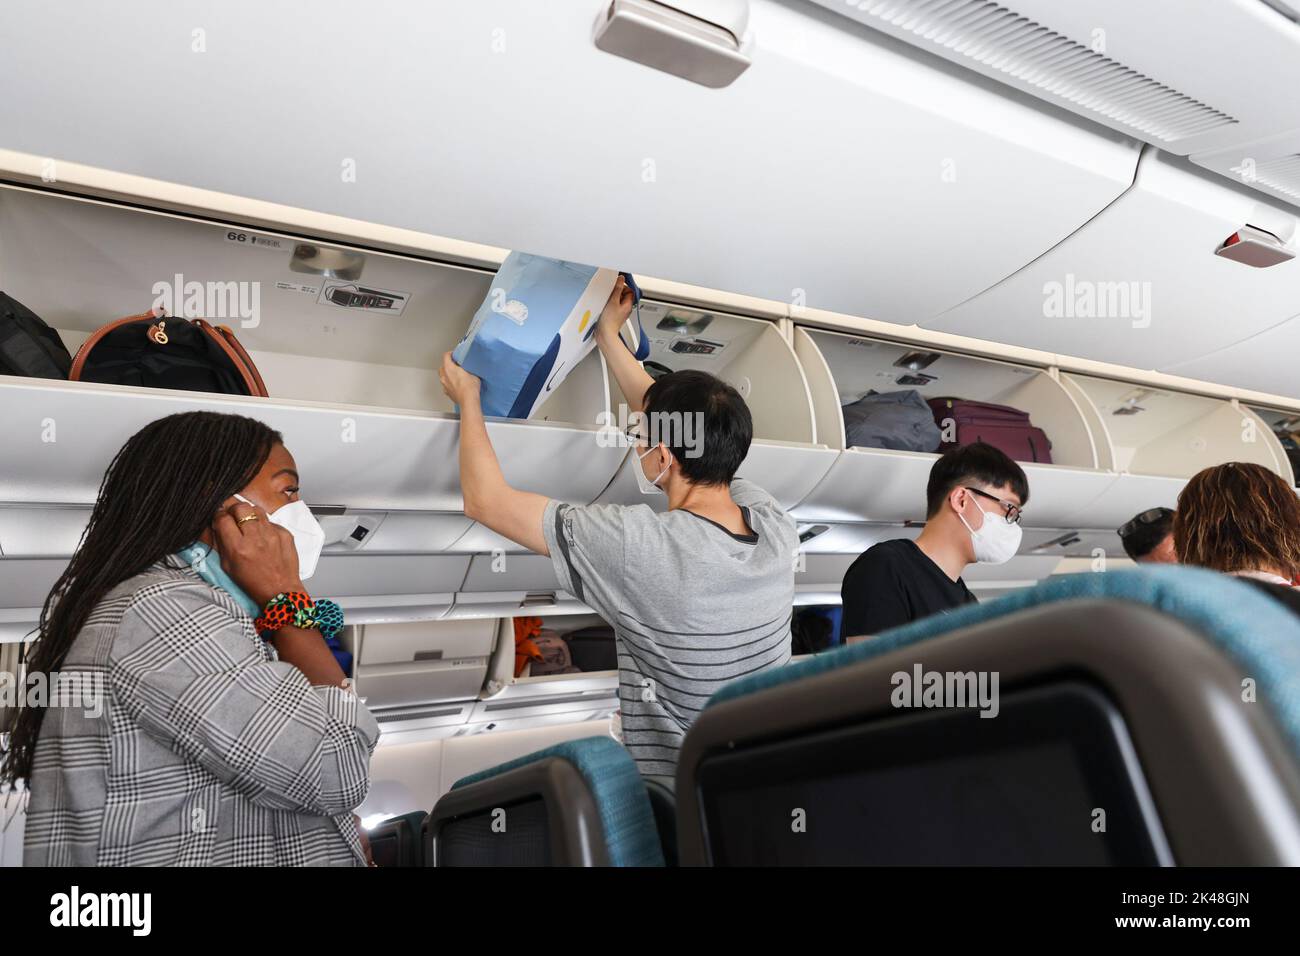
pixel 647 486
pixel 996 541
pixel 308 536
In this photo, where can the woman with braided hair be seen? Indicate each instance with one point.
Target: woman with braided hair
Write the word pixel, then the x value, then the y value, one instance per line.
pixel 195 714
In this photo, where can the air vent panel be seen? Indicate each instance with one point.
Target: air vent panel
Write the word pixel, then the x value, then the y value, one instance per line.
pixel 1050 64
pixel 1282 175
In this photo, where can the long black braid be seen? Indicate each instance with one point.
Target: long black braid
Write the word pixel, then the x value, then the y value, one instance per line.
pixel 159 495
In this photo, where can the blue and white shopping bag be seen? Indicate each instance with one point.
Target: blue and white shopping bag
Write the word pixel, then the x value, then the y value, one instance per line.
pixel 536 324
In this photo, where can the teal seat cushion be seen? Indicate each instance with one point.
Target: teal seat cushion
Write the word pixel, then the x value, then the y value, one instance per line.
pixel 1260 634
pixel 617 788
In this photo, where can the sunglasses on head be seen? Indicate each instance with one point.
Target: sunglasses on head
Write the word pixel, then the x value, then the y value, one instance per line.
pixel 1150 516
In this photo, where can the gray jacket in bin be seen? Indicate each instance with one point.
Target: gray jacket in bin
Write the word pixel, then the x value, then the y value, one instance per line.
pixel 899 420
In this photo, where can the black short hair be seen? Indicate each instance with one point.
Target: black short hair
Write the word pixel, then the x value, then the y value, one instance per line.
pixel 709 448
pixel 1142 538
pixel 977 463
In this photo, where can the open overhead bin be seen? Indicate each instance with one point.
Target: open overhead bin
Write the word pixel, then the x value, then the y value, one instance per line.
pixel 1157 438
pixel 505 584
pixel 910 154
pixel 347 338
pixel 414 664
pixel 1285 426
pixel 787 456
pixel 887 485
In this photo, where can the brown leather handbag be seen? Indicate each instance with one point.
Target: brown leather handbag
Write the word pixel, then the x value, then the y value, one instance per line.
pixel 162 351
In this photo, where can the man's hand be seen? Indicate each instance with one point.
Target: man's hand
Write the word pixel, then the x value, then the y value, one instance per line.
pixel 633 380
pixel 459 384
pixel 616 311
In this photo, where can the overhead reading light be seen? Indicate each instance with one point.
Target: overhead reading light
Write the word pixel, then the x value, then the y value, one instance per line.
pixel 1064 541
pixel 916 379
pixel 1128 405
pixel 1255 247
pixel 330 263
pixel 916 361
pixel 704 41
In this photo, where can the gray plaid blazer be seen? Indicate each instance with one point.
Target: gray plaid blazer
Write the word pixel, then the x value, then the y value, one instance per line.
pixel 175 736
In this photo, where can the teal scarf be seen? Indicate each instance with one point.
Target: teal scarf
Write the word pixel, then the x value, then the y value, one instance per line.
pixel 207 565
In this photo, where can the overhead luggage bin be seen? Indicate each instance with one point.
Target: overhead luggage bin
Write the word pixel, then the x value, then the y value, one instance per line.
pixel 405 665
pixel 909 153
pixel 787 456
pixel 1140 284
pixel 352 377
pixel 1158 438
pixel 379 588
pixel 886 485
pixel 502 584
pixel 24 584
pixel 34 532
pixel 1285 426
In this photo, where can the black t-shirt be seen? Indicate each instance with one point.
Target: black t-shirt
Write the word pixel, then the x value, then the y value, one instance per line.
pixel 892 583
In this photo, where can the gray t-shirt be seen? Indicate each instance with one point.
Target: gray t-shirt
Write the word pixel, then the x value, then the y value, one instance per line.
pixel 692 605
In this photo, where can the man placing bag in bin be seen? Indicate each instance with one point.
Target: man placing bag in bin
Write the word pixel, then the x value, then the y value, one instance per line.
pixel 698 595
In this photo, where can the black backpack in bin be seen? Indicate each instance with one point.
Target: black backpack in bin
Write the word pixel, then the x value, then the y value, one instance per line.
pixel 28 346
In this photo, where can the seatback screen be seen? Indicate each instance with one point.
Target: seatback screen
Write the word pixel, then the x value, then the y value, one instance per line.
pixel 1050 780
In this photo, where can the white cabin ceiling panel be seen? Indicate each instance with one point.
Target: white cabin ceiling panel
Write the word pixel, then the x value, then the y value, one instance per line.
pixel 1271 166
pixel 834 171
pixel 1188 76
pixel 1140 285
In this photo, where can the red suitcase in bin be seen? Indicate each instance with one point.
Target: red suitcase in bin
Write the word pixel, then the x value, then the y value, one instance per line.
pixel 1005 428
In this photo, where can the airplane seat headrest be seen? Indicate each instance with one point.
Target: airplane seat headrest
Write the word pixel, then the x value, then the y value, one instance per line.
pixel 1168 697
pixel 1258 633
pixel 396 842
pixel 663 802
pixel 608 779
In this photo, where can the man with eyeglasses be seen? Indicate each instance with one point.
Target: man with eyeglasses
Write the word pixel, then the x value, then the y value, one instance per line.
pixel 1149 537
pixel 973 502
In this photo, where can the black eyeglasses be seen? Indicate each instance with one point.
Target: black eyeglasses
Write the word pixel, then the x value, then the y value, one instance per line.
pixel 1012 511
pixel 1150 516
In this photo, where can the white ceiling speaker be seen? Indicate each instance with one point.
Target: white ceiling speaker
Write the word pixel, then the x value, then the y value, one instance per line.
pixel 704 41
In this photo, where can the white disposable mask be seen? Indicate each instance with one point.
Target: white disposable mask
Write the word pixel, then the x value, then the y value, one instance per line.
pixel 308 535
pixel 996 541
pixel 647 486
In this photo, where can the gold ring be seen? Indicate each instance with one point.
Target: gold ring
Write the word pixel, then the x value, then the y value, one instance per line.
pixel 252 517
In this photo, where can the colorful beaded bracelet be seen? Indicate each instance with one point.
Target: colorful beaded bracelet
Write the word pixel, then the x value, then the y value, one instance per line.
pixel 297 609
